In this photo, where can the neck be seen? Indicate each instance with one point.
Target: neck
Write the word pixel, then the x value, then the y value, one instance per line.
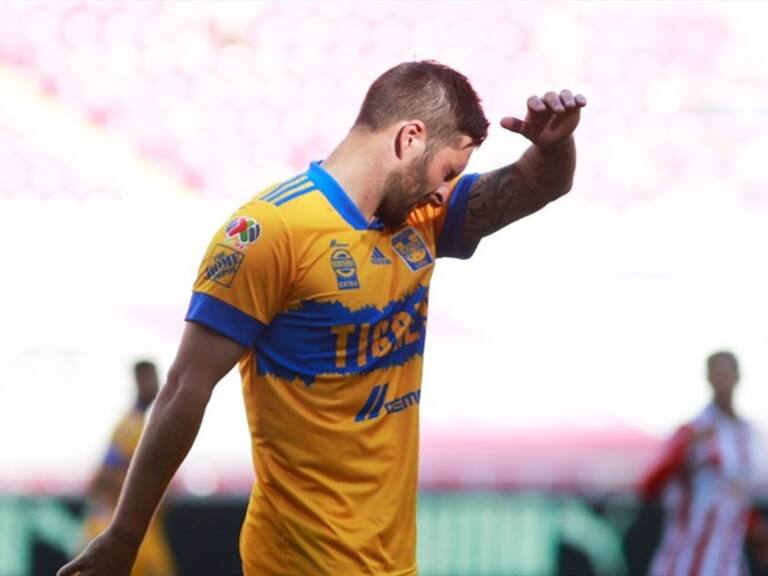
pixel 726 406
pixel 357 165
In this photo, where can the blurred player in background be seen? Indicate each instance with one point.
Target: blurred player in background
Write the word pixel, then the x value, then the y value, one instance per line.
pixel 318 287
pixel 704 475
pixel 154 556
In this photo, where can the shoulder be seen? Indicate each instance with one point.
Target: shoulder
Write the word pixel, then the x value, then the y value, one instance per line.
pixel 285 209
pixel 293 200
pixel 284 192
pixel 747 427
pixel 253 224
pixel 684 434
pixel 706 418
pixel 705 425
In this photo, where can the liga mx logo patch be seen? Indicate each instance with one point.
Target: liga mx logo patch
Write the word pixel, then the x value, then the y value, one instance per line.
pixel 243 231
pixel 344 267
pixel 223 265
pixel 412 249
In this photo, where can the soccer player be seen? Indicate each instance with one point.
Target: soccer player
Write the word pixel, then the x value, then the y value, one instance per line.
pixel 704 474
pixel 318 288
pixel 154 555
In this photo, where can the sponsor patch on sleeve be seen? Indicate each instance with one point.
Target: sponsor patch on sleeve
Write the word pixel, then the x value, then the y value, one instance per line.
pixel 223 265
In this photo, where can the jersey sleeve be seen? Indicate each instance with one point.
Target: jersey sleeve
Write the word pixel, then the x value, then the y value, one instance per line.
pixel 449 220
pixel 245 274
pixel 668 463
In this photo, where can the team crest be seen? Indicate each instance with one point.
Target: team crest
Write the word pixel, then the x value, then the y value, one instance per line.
pixel 223 265
pixel 242 232
pixel 412 249
pixel 344 267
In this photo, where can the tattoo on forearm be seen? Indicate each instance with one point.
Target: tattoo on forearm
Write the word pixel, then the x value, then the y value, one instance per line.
pixel 497 199
pixel 502 196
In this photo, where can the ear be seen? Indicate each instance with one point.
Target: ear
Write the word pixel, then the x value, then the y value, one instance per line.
pixel 410 140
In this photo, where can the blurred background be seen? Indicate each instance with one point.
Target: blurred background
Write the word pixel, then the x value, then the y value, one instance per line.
pixel 558 357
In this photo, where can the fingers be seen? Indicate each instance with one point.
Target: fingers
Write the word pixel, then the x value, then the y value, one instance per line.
pixel 71 569
pixel 536 105
pixel 555 103
pixel 566 97
pixel 548 112
pixel 513 124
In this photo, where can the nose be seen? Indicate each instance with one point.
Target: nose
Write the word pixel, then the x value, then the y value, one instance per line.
pixel 439 196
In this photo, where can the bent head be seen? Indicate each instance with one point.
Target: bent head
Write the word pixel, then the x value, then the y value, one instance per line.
pixel 432 120
pixel 723 375
pixel 147 383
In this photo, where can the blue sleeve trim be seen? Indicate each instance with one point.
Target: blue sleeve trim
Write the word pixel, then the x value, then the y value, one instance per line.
pixel 449 241
pixel 115 458
pixel 224 319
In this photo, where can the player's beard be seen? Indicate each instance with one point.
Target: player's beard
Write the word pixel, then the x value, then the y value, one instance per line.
pixel 400 189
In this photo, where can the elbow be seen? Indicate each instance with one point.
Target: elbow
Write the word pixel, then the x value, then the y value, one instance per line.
pixel 559 189
pixel 568 184
pixel 565 187
pixel 184 387
pixel 173 379
pixel 556 185
pixel 170 389
pixel 567 181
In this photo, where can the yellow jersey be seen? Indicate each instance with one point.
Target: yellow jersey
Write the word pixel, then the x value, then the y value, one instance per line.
pixel 154 557
pixel 332 309
pixel 124 441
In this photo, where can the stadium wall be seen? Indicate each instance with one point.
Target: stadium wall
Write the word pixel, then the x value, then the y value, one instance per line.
pixel 461 533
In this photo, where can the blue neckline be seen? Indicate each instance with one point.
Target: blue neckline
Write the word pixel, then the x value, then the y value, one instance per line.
pixel 335 194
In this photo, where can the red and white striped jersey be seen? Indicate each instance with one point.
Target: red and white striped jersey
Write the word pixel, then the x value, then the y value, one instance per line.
pixel 705 479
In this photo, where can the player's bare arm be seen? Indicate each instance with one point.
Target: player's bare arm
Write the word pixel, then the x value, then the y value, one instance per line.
pixel 204 357
pixel 542 174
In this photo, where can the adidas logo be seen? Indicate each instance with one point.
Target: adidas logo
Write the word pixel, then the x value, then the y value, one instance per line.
pixel 378 258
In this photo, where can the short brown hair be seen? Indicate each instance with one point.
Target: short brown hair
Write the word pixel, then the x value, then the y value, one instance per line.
pixel 143 366
pixel 722 354
pixel 437 95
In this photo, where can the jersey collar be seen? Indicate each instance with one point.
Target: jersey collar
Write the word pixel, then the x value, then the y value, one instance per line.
pixel 339 199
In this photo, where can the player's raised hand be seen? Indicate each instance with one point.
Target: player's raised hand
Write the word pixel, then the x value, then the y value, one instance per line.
pixel 549 118
pixel 106 555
